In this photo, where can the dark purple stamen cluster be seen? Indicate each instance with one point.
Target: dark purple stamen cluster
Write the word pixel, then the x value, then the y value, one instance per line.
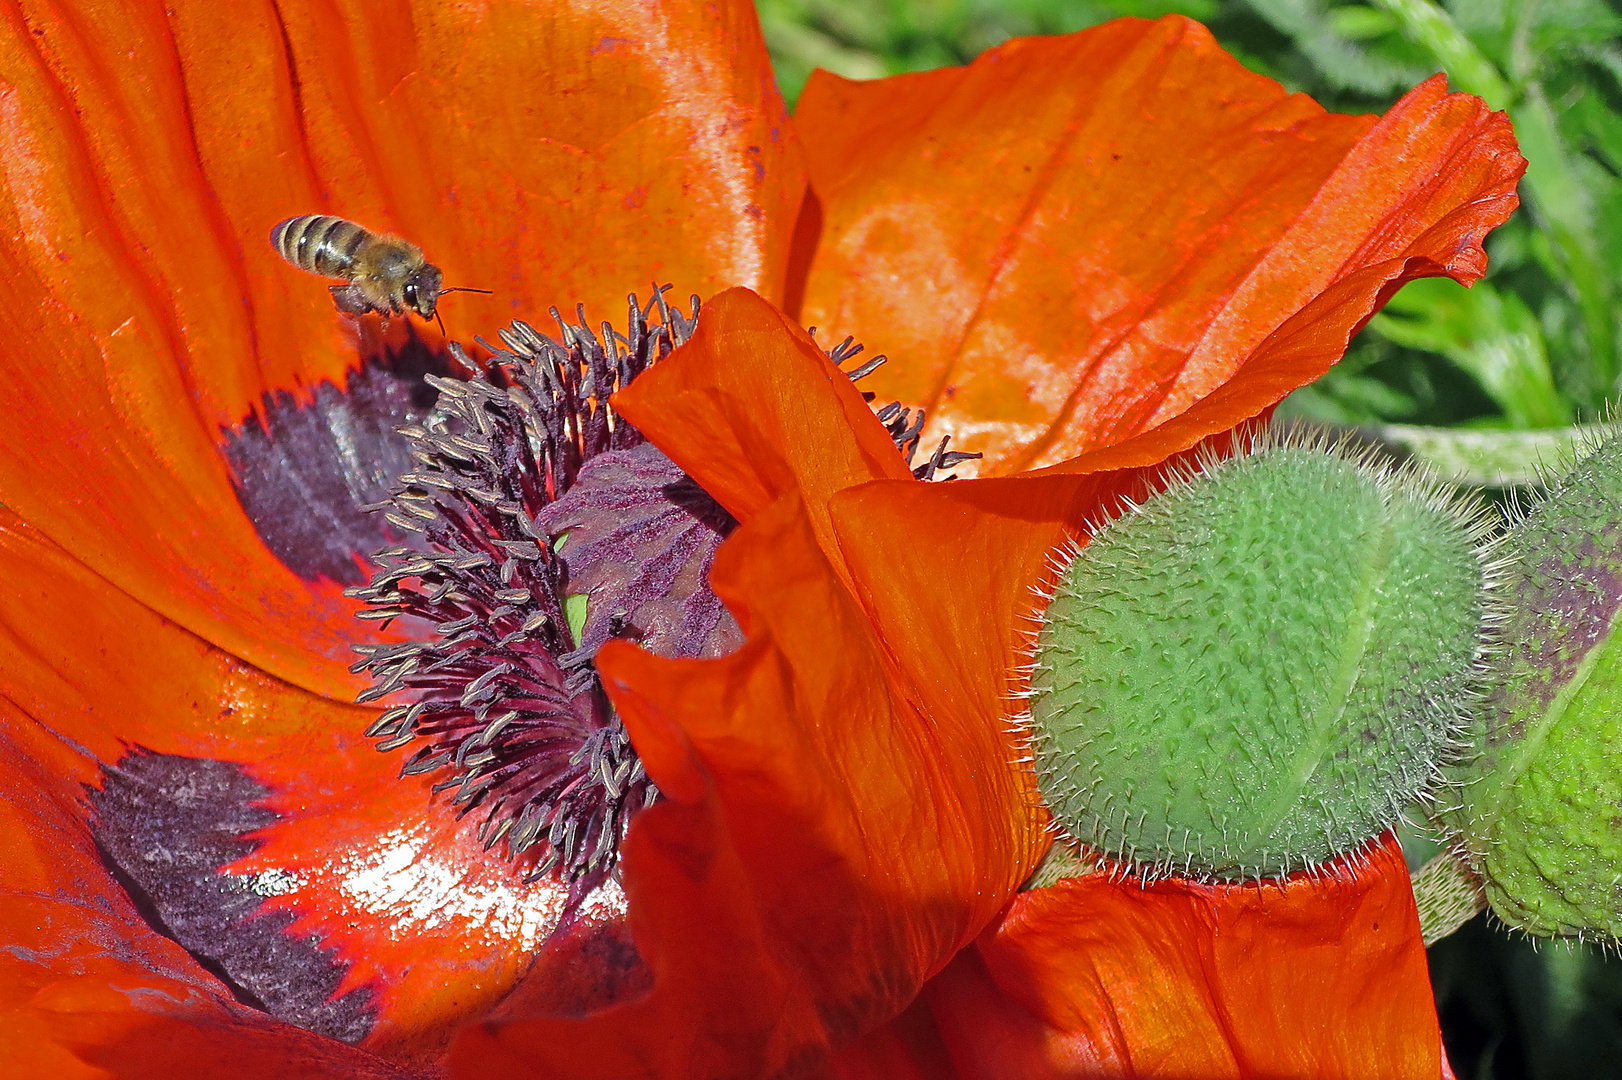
pixel 528 490
pixel 507 702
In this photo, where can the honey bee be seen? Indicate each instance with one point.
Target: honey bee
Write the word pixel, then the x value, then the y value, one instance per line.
pixel 385 273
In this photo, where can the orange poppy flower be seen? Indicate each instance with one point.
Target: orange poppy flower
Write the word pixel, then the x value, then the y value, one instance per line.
pixel 1083 254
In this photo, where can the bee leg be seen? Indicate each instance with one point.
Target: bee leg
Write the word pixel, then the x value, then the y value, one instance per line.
pixel 350 300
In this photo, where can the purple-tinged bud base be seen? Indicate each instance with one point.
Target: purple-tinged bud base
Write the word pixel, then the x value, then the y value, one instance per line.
pixel 1541 802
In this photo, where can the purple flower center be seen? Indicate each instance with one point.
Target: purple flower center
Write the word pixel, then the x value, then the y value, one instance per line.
pixel 517 463
pixel 541 525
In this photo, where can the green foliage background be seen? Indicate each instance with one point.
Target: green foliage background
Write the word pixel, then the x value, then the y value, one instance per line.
pixel 1536 345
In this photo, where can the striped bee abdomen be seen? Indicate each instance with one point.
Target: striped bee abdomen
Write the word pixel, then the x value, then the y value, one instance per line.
pixel 320 243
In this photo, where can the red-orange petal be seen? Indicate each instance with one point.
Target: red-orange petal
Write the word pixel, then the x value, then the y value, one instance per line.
pixel 1156 220
pixel 401 891
pixel 553 153
pixel 1090 977
pixel 844 802
pixel 910 1047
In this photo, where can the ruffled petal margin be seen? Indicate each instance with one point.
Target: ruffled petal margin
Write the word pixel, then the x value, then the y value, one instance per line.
pixel 146 151
pixel 1317 977
pixel 843 814
pixel 1160 221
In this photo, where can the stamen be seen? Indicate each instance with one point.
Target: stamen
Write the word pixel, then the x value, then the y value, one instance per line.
pixel 506 702
pixel 904 425
pixel 543 525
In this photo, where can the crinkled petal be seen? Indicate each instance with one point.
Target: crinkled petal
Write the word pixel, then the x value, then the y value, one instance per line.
pixel 1320 977
pixel 1159 223
pixel 401 892
pixel 551 153
pixel 835 829
pixel 843 805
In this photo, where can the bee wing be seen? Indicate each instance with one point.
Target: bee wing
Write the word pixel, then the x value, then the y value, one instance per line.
pixel 350 300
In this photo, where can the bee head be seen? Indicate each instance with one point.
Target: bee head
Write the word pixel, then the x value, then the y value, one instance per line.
pixel 421 290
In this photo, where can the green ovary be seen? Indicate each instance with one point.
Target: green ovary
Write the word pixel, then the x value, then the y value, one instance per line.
pixel 1255 671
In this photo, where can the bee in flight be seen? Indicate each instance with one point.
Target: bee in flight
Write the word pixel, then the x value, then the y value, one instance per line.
pixel 385 273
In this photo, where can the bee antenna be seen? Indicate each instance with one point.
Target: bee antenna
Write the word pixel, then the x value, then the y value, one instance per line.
pixel 441 323
pixel 464 288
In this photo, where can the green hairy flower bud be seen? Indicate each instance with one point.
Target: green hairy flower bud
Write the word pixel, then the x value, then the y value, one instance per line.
pixel 1257 669
pixel 1541 802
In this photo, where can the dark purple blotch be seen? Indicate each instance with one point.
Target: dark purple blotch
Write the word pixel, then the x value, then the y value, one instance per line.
pixel 165 825
pixel 304 470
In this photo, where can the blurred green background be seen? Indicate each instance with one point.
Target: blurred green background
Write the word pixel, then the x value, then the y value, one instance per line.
pixel 1536 346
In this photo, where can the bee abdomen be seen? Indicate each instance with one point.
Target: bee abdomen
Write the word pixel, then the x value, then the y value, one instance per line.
pixel 320 243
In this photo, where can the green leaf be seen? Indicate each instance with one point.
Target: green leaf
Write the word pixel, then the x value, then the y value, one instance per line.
pixel 1338 58
pixel 1356 22
pixel 1490 458
pixel 1465 65
pixel 1603 126
pixel 1565 207
pixel 1490 334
